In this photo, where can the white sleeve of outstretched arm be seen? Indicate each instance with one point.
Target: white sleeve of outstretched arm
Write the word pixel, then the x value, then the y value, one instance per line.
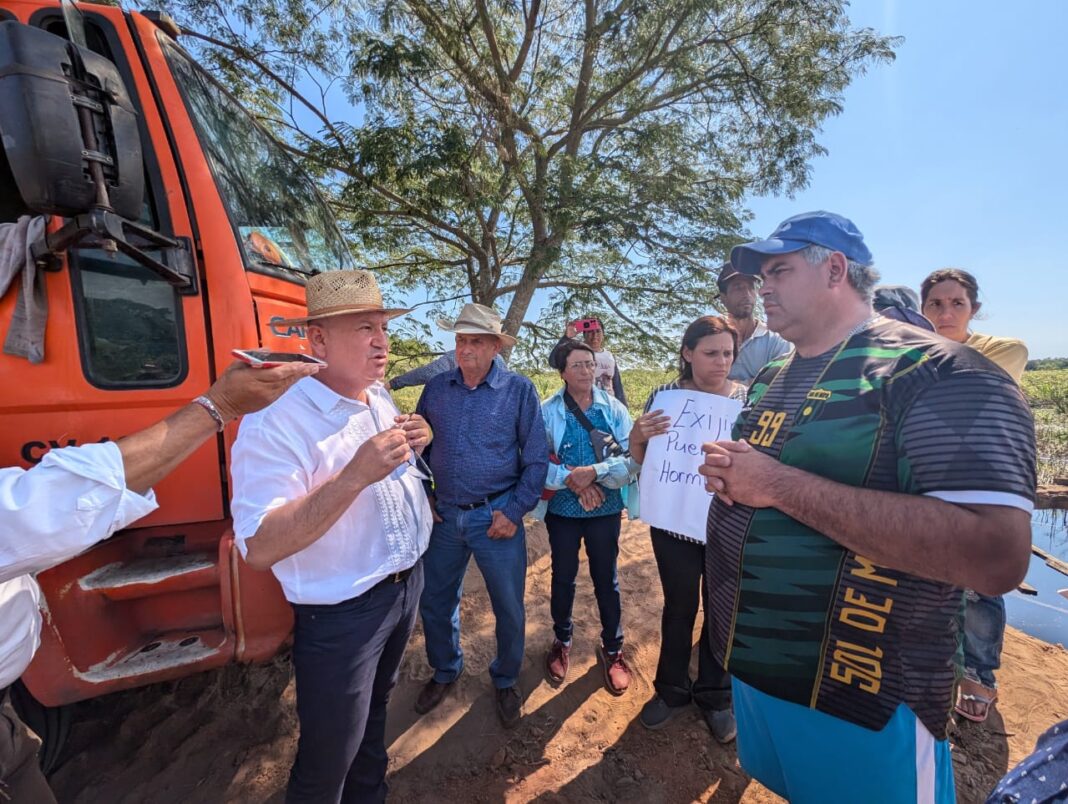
pixel 72 499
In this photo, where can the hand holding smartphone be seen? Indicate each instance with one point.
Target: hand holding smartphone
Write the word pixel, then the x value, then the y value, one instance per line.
pixel 586 324
pixel 264 358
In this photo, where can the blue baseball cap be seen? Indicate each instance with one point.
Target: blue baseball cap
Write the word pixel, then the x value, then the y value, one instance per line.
pixel 807 229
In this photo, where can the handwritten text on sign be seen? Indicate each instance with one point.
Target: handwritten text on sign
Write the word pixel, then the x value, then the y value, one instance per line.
pixel 673 495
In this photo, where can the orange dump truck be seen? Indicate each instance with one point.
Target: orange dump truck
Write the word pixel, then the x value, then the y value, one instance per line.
pixel 178 229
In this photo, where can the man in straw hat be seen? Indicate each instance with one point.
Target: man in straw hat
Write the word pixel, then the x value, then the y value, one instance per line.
pixel 327 494
pixel 489 459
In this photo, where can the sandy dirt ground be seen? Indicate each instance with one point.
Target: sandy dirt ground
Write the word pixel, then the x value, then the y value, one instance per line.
pixel 230 735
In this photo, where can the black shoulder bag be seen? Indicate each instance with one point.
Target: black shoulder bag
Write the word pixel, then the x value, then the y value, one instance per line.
pixel 604 444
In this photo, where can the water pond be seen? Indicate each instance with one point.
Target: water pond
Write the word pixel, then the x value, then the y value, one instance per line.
pixel 1044 615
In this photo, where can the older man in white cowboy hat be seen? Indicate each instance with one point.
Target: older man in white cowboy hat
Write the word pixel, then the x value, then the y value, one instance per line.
pixel 489 459
pixel 327 494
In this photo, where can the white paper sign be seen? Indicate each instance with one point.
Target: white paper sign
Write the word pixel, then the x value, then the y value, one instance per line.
pixel 673 495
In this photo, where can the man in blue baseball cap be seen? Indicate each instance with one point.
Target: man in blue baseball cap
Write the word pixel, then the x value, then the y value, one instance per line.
pixel 877 470
pixel 793 234
pixel 809 239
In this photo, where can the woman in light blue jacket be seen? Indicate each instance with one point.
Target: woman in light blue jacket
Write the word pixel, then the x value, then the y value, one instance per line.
pixel 587 478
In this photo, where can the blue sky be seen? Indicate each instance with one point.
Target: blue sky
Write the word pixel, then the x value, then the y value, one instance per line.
pixel 954 155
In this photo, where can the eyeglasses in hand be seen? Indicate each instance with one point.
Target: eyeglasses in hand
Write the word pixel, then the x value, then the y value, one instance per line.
pixel 420 468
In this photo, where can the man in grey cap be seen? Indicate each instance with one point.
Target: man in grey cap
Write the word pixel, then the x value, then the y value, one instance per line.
pixel 901 304
pixel 878 470
pixel 757 345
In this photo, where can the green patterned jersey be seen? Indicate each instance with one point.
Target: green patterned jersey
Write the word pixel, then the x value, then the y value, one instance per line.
pixel 796 615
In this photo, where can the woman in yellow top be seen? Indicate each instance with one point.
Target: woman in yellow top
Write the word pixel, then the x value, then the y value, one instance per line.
pixel 950 300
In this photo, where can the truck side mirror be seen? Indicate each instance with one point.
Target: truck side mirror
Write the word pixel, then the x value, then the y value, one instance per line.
pixel 47 86
pixel 70 138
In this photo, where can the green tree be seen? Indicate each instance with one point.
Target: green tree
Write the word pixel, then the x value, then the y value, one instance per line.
pixel 1045 363
pixel 599 151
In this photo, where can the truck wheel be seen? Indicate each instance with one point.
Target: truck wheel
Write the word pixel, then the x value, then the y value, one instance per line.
pixel 50 723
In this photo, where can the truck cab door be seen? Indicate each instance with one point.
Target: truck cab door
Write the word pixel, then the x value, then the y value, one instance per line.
pixel 122 347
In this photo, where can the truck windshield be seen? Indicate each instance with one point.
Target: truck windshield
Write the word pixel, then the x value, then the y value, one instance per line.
pixel 281 219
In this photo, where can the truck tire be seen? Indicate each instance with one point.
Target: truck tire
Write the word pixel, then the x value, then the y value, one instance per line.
pixel 50 723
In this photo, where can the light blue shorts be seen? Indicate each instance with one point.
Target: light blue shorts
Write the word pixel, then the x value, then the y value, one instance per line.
pixel 809 757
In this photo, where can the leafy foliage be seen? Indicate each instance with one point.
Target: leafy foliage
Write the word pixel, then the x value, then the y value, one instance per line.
pixel 598 152
pixel 1047 388
pixel 1047 363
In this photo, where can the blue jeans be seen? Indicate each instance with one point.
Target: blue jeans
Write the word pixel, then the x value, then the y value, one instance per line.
pixel 984 632
pixel 601 534
pixel 503 564
pixel 345 659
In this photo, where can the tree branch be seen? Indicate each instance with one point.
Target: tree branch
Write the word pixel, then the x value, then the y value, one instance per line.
pixel 248 56
pixel 491 42
pixel 530 22
pixel 615 309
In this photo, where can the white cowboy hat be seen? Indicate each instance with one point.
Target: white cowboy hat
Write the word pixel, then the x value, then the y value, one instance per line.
pixel 334 293
pixel 477 319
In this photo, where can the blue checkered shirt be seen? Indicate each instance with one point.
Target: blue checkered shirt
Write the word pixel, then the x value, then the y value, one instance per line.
pixel 487 440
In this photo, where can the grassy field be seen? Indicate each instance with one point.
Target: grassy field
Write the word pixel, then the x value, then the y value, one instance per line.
pixel 1046 390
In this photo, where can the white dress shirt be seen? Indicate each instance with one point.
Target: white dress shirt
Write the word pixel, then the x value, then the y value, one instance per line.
pixel 289 449
pixel 72 499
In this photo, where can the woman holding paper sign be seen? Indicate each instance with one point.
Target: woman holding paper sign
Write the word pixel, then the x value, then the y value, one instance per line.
pixel 587 432
pixel 709 347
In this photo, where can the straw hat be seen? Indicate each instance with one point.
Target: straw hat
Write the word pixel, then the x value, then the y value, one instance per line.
pixel 339 292
pixel 477 319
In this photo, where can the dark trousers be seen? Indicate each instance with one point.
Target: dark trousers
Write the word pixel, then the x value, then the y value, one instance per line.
pixel 601 534
pixel 346 658
pixel 20 775
pixel 681 565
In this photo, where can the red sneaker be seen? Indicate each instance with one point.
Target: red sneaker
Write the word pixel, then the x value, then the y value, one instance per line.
pixel 556 661
pixel 616 673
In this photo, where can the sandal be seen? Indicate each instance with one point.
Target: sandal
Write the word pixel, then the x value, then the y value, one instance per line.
pixel 978 702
